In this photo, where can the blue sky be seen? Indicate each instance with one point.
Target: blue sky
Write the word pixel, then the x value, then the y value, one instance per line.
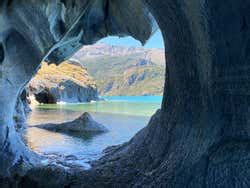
pixel 156 41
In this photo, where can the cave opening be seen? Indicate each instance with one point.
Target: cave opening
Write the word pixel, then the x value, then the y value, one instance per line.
pixel 45 97
pixel 199 137
pixel 124 84
pixel 38 140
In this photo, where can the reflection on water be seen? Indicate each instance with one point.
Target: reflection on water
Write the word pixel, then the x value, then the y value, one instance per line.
pixel 78 150
pixel 62 146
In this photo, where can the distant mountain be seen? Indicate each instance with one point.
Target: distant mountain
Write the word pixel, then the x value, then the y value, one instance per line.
pixel 122 70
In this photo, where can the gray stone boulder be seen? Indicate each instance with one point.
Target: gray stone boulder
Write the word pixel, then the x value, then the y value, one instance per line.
pixel 82 125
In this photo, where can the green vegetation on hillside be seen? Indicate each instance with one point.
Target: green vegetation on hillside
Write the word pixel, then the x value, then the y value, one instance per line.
pixel 130 74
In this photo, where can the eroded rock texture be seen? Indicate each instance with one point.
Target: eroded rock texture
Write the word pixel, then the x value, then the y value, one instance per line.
pixel 22 109
pixel 199 138
pixel 68 82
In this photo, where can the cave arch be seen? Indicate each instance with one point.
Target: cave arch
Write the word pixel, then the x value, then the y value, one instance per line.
pixel 205 106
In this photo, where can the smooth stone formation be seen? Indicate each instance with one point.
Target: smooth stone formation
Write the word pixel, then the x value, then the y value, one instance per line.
pixel 201 135
pixel 82 125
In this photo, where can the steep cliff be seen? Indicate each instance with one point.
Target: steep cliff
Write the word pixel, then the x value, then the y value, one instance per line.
pixel 67 82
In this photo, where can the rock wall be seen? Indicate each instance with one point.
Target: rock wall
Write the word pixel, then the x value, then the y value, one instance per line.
pixel 21 110
pixel 68 82
pixel 199 138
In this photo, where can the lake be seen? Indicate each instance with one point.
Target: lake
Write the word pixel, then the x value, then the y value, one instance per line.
pixel 123 116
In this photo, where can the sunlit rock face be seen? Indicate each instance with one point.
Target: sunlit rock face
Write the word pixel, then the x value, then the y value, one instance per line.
pixel 68 82
pixel 199 138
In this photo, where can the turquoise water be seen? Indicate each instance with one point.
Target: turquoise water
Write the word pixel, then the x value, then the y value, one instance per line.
pixel 123 116
pixel 128 105
pixel 137 99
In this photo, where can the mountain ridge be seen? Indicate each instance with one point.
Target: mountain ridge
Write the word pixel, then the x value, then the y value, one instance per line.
pixel 125 70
